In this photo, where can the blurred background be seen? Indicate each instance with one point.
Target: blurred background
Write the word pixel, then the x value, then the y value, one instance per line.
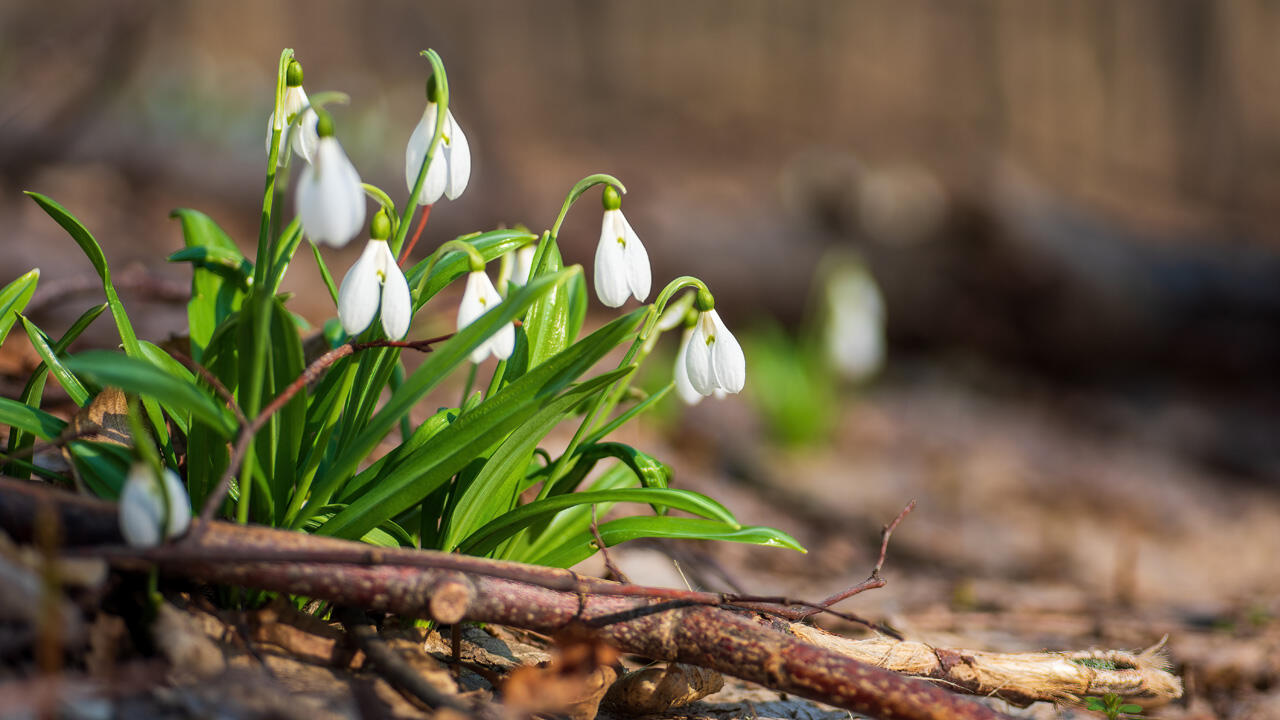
pixel 1019 261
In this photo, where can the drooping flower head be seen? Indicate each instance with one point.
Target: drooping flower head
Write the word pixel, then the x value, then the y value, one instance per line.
pixel 523 264
pixel 330 199
pixel 376 282
pixel 713 358
pixel 143 507
pixel 479 297
pixel 622 264
pixel 301 137
pixel 451 162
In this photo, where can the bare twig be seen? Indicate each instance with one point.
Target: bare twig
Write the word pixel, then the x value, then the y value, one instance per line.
pixel 422 223
pixel 604 550
pixel 873 580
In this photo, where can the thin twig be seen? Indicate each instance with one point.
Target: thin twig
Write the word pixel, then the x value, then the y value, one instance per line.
pixel 873 580
pixel 213 381
pixel 604 551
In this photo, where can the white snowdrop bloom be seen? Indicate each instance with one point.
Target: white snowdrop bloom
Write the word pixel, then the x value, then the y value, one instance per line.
pixel 855 323
pixel 330 200
pixel 302 137
pixel 142 507
pixel 374 281
pixel 622 264
pixel 450 170
pixel 523 264
pixel 713 358
pixel 684 388
pixel 478 297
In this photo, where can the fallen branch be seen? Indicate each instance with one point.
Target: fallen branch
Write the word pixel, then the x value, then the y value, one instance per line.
pixel 690 629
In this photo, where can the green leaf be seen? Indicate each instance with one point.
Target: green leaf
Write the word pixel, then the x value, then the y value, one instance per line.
pixel 453 264
pixel 581 547
pixel 143 378
pixel 67 379
pixel 77 231
pixel 631 412
pixel 33 393
pixel 438 364
pixel 488 537
pixel 14 298
pixel 128 338
pixel 474 432
pixel 220 276
pixel 102 466
pixel 572 521
pixel 29 419
pixel 495 489
pixel 547 322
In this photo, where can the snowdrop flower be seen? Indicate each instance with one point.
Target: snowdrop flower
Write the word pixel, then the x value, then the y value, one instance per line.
pixel 523 264
pixel 374 281
pixel 713 358
pixel 447 175
pixel 478 297
pixel 142 506
pixel 622 265
pixel 855 322
pixel 303 137
pixel 684 388
pixel 330 200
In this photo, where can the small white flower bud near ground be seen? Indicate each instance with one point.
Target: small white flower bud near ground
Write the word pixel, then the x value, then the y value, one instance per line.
pixel 142 507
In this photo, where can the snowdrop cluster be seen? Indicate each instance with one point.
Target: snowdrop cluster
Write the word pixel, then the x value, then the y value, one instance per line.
pixel 331 208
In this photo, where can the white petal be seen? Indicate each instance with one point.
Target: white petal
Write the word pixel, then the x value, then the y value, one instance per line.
pixel 437 177
pixel 458 156
pixel 140 510
pixel 523 264
pixel 303 137
pixel 684 388
pixel 359 295
pixel 611 262
pixel 474 298
pixel 638 275
pixel 697 359
pixel 503 342
pixel 397 304
pixel 330 200
pixel 179 504
pixel 727 361
pixel 142 507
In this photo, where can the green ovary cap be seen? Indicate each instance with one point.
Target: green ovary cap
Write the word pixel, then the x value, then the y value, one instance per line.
pixel 380 227
pixel 324 124
pixel 293 75
pixel 611 198
pixel 704 302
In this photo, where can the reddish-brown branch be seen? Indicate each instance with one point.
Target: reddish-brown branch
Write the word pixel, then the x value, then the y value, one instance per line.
pixel 707 635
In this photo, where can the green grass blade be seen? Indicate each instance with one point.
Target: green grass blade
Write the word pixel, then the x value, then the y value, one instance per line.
pixel 488 537
pixel 547 322
pixel 29 419
pixel 67 379
pixel 579 548
pixel 495 489
pixel 14 298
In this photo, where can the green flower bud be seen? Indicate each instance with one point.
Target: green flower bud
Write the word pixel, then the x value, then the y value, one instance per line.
pixel 704 301
pixel 293 74
pixel 433 89
pixel 324 125
pixel 380 228
pixel 611 198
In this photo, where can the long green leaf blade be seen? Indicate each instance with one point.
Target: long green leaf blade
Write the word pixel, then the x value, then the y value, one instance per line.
pixel 29 419
pixel 14 298
pixel 488 537
pixel 581 547
pixel 69 382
